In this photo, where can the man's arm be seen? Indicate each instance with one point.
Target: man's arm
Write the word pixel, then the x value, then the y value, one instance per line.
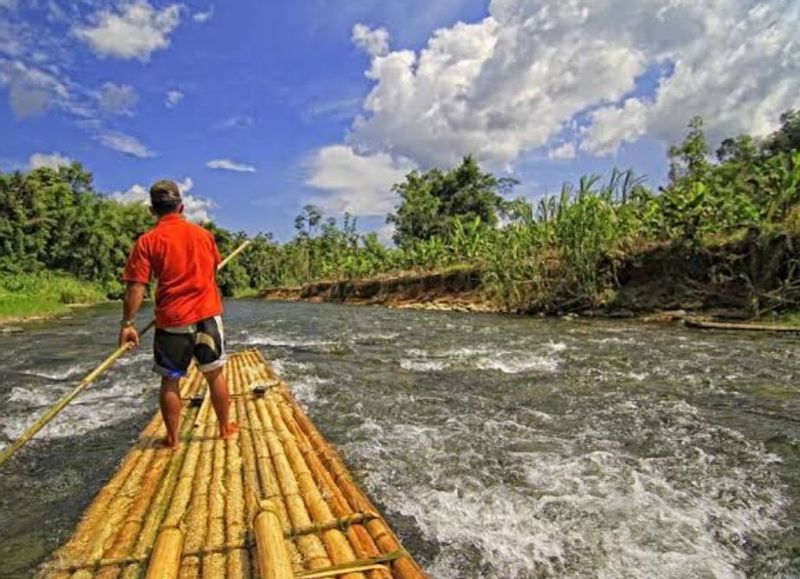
pixel 134 296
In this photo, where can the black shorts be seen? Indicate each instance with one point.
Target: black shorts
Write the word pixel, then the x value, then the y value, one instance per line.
pixel 174 348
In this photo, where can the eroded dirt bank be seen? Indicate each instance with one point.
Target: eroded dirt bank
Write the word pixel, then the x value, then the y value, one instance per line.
pixel 748 278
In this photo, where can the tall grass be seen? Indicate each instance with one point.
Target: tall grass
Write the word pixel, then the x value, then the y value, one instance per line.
pixel 43 293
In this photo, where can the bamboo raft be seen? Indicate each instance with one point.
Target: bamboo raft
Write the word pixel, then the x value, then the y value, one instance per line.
pixel 274 501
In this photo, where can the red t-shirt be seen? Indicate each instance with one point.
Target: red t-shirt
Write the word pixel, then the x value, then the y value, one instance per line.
pixel 183 258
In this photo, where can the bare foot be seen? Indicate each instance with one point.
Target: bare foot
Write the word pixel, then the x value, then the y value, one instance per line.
pixel 228 430
pixel 169 442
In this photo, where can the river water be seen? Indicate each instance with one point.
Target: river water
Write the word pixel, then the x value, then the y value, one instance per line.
pixel 497 446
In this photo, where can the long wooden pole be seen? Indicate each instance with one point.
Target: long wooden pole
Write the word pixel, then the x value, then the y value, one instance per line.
pixel 51 413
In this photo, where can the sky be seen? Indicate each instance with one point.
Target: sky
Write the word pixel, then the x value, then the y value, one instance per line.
pixel 258 108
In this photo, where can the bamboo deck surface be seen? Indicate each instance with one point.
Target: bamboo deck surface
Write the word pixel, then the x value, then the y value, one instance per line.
pixel 213 489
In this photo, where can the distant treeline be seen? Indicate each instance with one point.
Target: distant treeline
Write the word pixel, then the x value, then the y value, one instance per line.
pixel 55 220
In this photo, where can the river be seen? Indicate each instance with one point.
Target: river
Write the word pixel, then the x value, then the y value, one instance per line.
pixel 497 446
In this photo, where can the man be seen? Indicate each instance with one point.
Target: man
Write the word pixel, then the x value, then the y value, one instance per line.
pixel 183 258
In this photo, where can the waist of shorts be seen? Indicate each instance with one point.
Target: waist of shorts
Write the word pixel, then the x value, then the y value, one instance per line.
pixel 189 328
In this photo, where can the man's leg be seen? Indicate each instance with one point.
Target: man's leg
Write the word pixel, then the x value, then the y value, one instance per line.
pixel 218 386
pixel 171 406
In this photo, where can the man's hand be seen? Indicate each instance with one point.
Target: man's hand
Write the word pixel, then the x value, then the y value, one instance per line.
pixel 128 334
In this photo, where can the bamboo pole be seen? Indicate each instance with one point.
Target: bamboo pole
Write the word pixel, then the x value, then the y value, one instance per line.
pixel 195 520
pixel 235 522
pixel 281 484
pixel 746 327
pixel 160 492
pixel 51 413
pixel 360 540
pixel 214 565
pixel 404 567
pixel 165 560
pixel 273 558
pixel 135 519
pixel 338 547
pixel 357 534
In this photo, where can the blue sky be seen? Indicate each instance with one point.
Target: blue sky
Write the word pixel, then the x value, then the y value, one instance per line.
pixel 258 108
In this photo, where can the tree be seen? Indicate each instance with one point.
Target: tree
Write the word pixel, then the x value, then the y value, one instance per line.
pixel 690 158
pixel 787 138
pixel 430 201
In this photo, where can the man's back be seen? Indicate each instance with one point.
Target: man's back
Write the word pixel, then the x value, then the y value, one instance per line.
pixel 183 258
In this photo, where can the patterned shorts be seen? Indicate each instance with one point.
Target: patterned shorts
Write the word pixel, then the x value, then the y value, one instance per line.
pixel 174 348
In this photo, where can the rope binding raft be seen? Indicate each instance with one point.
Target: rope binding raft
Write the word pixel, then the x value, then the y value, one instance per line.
pixel 53 411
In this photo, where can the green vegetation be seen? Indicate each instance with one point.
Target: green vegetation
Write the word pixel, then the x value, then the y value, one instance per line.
pixel 562 252
pixel 43 293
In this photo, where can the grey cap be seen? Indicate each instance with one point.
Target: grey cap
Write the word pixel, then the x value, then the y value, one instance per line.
pixel 165 192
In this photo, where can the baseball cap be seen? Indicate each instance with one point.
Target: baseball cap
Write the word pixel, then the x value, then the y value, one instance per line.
pixel 165 192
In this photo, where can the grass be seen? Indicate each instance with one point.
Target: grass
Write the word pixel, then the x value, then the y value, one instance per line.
pixel 24 295
pixel 789 318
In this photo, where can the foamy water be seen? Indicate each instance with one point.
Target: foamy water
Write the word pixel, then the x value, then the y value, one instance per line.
pixel 498 447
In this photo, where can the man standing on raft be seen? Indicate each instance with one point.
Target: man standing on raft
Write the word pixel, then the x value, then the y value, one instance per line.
pixel 183 258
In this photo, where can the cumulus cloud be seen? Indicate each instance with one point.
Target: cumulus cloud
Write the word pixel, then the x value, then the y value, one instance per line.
pixel 173 98
pixel 203 17
pixel 51 161
pixel 229 165
pixel 562 152
pixel 374 42
pixel 520 78
pixel 194 208
pixel 126 144
pixel 117 99
pixel 360 184
pixel 612 126
pixel 132 30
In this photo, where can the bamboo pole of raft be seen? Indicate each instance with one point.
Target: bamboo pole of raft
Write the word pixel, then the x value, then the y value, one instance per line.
pixel 90 377
pixel 404 567
pixel 303 464
pixel 165 560
pixel 335 542
pixel 273 558
pixel 280 481
pixel 362 542
pixel 102 518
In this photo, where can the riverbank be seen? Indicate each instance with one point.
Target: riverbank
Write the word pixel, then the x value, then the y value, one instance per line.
pixel 748 278
pixel 457 289
pixel 27 297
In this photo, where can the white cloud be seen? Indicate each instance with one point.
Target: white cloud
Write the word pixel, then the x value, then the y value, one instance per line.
pixel 117 99
pixel 126 144
pixel 51 161
pixel 173 98
pixel 612 126
pixel 562 152
pixel 360 184
pixel 516 80
pixel 31 90
pixel 135 30
pixel 374 42
pixel 230 165
pixel 236 122
pixel 203 17
pixel 194 208
pixel 10 4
